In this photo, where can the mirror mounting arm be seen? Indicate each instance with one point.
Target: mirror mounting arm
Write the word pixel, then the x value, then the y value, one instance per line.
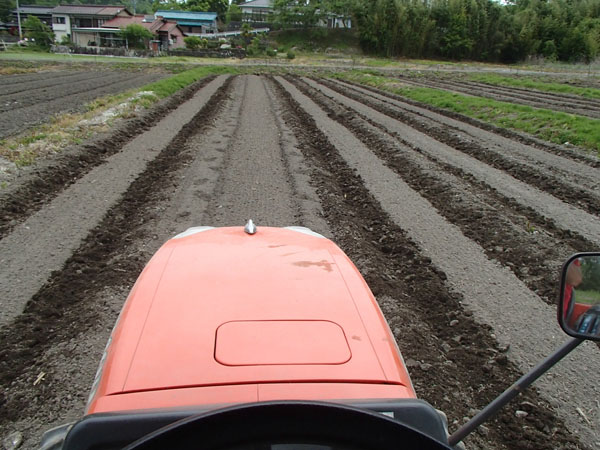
pixel 518 387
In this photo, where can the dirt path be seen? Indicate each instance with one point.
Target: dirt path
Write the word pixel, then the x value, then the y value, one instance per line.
pixel 248 167
pixel 347 164
pixel 246 190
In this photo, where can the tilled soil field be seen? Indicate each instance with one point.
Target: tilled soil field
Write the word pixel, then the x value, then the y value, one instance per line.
pixel 29 99
pixel 458 228
pixel 573 104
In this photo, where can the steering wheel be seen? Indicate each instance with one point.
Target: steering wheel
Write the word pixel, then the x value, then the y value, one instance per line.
pixel 288 425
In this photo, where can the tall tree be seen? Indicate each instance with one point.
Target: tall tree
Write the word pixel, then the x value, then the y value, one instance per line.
pixel 136 36
pixel 6 7
pixel 480 29
pixel 234 14
pixel 218 6
pixel 298 13
pixel 341 8
pixel 166 5
pixel 38 31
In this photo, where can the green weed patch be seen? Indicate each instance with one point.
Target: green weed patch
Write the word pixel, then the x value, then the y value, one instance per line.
pixel 169 86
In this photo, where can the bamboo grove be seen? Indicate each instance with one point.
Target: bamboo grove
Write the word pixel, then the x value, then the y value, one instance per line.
pixel 480 30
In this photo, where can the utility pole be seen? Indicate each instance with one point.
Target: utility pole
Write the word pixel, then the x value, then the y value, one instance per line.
pixel 19 20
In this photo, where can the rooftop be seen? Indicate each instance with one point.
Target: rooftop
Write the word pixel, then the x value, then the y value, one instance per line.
pixel 258 4
pixel 186 15
pixel 35 9
pixel 152 25
pixel 97 10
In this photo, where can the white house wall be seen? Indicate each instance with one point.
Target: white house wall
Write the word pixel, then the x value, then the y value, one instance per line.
pixel 61 29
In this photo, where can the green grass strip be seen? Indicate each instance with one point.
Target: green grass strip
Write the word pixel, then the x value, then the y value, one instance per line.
pixel 169 86
pixel 548 125
pixel 529 83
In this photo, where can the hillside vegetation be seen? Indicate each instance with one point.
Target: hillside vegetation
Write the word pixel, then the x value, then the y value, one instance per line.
pixel 476 30
pixel 481 30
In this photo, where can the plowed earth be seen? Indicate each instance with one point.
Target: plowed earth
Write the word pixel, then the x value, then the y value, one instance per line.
pixel 459 231
pixel 573 104
pixel 26 100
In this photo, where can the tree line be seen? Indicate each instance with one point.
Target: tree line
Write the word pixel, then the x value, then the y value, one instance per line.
pixel 481 30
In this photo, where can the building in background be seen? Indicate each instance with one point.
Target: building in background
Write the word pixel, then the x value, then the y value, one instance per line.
pixel 167 34
pixel 44 13
pixel 191 22
pixel 257 11
pixel 261 11
pixel 81 22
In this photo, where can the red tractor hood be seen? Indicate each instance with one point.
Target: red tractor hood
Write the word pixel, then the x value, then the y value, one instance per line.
pixel 221 308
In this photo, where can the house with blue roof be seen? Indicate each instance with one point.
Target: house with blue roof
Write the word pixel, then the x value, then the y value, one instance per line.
pixel 191 22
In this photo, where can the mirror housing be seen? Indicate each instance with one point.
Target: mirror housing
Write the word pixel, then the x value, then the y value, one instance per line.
pixel 579 301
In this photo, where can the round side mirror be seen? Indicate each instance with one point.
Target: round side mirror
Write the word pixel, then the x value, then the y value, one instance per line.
pixel 579 303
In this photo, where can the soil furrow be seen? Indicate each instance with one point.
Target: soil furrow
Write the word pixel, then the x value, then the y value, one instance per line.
pixel 17 120
pixel 11 80
pixel 507 95
pixel 519 140
pixel 567 180
pixel 47 70
pixel 520 238
pixel 425 224
pixel 538 98
pixel 69 304
pixel 464 363
pixel 564 215
pixel 43 81
pixel 37 186
pixel 61 226
pixel 533 93
pixel 178 200
pixel 39 97
pixel 245 160
pixel 307 201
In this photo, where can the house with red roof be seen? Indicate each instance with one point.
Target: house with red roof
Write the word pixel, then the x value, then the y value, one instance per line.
pixel 78 22
pixel 167 34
